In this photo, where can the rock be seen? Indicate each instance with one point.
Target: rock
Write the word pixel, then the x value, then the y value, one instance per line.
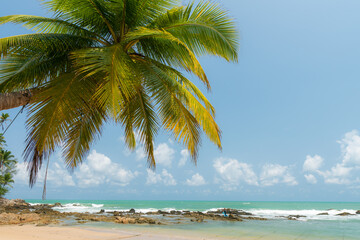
pixel 132 211
pixel 244 213
pixel 12 218
pixel 358 212
pixel 57 205
pixel 162 212
pixel 230 211
pixel 324 213
pixel 125 220
pixel 116 213
pixel 102 211
pixel 200 220
pixel 296 216
pixel 175 212
pixel 344 214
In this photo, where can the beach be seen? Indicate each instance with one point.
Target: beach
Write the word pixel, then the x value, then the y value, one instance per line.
pixel 100 219
pixel 32 232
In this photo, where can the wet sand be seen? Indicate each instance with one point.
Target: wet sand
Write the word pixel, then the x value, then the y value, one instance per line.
pixel 32 232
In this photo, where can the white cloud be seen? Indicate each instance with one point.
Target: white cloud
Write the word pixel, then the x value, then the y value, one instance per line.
pixel 312 163
pixel 350 146
pixel 140 153
pixel 21 175
pixel 310 178
pixel 60 176
pixel 184 157
pixel 341 173
pixel 168 179
pixel 156 178
pixel 196 180
pixel 337 175
pixel 99 169
pixel 273 174
pixel 164 155
pixel 231 173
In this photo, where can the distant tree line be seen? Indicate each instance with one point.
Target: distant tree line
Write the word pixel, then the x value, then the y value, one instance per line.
pixel 7 161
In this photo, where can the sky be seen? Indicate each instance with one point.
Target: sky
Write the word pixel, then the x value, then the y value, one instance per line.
pixel 288 111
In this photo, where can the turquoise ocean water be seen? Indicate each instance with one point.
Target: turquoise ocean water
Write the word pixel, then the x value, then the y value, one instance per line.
pixel 309 227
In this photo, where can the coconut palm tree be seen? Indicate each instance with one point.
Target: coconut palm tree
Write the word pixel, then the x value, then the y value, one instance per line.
pixel 3 119
pixel 7 162
pixel 97 61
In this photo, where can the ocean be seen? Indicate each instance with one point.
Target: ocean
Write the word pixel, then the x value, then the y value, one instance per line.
pixel 310 226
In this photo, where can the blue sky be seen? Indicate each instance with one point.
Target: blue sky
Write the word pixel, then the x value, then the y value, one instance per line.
pixel 288 112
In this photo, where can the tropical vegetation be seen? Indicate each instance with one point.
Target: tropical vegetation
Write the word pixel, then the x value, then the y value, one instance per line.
pixel 7 168
pixel 123 61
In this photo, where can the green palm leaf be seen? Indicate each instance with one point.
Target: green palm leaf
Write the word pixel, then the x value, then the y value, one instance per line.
pixel 119 60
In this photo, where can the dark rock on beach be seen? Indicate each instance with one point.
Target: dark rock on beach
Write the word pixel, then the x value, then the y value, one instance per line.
pixel 358 212
pixel 344 214
pixel 324 213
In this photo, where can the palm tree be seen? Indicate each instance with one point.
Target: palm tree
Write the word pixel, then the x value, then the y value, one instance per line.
pixel 7 162
pixel 97 61
pixel 3 119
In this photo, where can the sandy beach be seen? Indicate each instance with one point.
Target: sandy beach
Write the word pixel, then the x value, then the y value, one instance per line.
pixel 32 232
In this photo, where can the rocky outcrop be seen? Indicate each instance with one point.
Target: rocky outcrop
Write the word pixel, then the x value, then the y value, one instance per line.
pixel 231 211
pixel 12 218
pixel 344 214
pixel 324 213
pixel 358 212
pixel 129 220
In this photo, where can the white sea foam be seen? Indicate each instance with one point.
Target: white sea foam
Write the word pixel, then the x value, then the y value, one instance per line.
pixel 309 214
pixel 97 205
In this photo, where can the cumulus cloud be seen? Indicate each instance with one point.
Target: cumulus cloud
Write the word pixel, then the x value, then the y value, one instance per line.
pixel 310 178
pixel 342 172
pixel 160 178
pixel 184 157
pixel 337 175
pixel 140 153
pixel 312 163
pixel 99 169
pixel 350 146
pixel 273 174
pixel 196 180
pixel 58 175
pixel 164 154
pixel 231 172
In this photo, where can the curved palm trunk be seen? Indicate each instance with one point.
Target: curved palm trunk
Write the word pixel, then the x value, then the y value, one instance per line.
pixel 15 99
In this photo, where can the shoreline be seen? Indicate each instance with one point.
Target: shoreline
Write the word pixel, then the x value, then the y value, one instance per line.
pixel 32 232
pixel 19 219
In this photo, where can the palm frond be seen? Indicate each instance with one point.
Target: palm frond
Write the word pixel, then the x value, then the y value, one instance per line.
pixel 205 28
pixel 143 118
pixel 18 72
pixel 175 116
pixel 94 15
pixel 50 115
pixel 55 43
pixel 164 47
pixel 118 70
pixel 51 25
pixel 83 131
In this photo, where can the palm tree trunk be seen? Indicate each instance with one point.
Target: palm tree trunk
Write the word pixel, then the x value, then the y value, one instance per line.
pixel 15 99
